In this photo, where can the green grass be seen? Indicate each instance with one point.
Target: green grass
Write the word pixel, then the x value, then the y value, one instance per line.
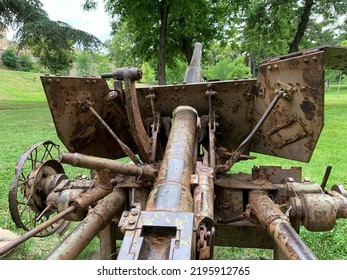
pixel 25 120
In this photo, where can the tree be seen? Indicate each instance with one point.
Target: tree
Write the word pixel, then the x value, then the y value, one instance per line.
pixel 84 62
pixel 165 29
pixel 273 27
pixel 53 42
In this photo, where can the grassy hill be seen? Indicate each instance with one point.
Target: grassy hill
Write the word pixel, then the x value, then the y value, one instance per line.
pixel 20 89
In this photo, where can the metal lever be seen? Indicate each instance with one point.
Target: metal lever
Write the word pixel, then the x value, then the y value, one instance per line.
pixel 326 177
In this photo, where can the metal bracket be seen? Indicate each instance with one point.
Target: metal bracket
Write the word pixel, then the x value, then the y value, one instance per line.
pixel 157 235
pixel 287 90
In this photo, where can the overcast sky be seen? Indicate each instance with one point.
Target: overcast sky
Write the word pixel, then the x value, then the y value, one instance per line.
pixel 71 12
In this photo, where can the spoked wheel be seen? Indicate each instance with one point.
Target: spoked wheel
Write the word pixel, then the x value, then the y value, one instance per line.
pixel 36 174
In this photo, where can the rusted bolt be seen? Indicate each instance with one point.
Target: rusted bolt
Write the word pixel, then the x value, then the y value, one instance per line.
pixel 112 94
pixel 303 88
pixel 306 60
pixel 236 84
pixel 275 66
pixel 126 214
pixel 84 108
pixel 134 212
pixel 57 81
pixel 290 180
pixel 314 58
pixel 49 81
pixel 131 222
pixel 269 68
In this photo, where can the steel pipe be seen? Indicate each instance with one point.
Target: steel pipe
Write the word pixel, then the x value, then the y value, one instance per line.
pixel 146 172
pixel 97 219
pixel 9 246
pixel 172 189
pixel 279 228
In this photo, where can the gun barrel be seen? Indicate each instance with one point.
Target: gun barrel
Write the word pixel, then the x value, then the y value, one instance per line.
pixel 172 189
pixel 193 72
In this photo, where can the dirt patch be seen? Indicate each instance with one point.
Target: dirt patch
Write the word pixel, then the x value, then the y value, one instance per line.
pixel 6 236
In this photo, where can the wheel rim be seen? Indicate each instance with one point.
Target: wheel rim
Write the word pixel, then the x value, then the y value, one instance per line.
pixel 26 198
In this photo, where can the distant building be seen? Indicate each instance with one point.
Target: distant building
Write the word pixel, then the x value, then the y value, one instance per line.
pixel 3 40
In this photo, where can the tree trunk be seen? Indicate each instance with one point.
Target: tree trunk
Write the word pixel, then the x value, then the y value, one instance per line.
pixel 164 14
pixel 304 20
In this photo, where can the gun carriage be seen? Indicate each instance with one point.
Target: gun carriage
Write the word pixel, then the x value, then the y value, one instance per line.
pixel 177 196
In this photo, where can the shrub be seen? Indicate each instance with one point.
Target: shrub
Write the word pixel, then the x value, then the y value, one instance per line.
pixel 9 58
pixel 25 63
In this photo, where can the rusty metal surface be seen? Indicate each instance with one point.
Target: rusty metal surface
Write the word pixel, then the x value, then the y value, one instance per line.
pixel 276 174
pixel 160 235
pixel 27 194
pixel 171 191
pixel 97 219
pixel 319 211
pixel 203 196
pixel 77 127
pixel 137 128
pixel 292 129
pixel 278 226
pixel 103 188
pixel 334 56
pixel 232 104
pixel 146 172
pixel 234 236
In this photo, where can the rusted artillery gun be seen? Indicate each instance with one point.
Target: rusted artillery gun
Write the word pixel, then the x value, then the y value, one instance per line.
pixel 178 198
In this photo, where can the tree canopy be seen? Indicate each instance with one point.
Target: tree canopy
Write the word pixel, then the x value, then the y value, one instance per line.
pixel 163 30
pixel 273 27
pixel 53 42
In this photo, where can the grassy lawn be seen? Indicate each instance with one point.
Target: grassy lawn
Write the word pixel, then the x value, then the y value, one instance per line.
pixel 25 120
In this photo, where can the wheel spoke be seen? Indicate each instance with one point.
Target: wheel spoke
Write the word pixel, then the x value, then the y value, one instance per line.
pixel 24 199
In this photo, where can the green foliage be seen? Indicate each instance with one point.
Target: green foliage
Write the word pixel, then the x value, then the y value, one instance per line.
pixel 176 70
pixel 123 48
pixel 9 58
pixel 53 42
pixel 164 30
pixel 220 70
pixel 102 63
pixel 25 62
pixel 332 75
pixel 271 25
pixel 88 64
pixel 228 68
pixel 21 62
pixel 84 63
pixel 148 74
